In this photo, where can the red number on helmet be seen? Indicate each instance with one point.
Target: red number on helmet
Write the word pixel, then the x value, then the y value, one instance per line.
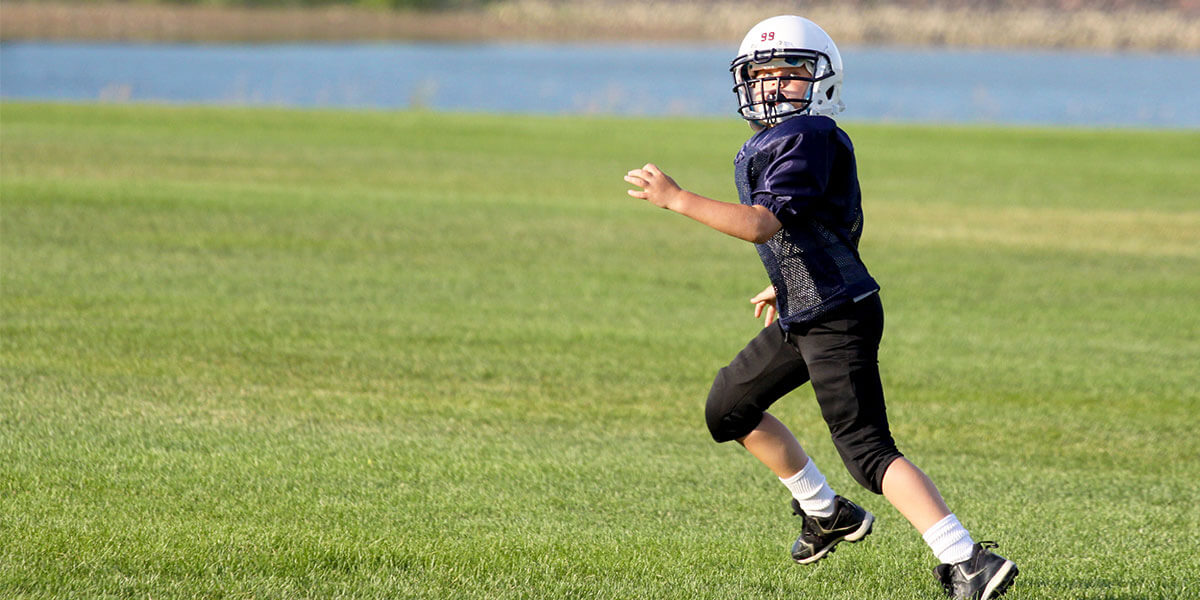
pixel 770 35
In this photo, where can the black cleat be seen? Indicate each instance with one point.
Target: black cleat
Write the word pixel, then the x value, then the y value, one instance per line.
pixel 848 522
pixel 981 577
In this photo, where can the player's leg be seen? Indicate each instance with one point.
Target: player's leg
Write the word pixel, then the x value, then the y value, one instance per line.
pixel 968 569
pixel 827 519
pixel 841 352
pixel 842 357
pixel 913 494
pixel 764 371
pixel 773 444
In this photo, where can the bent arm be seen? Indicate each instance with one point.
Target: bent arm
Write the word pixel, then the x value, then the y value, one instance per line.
pixel 751 223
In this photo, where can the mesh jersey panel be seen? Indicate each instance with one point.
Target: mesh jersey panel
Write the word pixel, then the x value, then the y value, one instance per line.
pixel 813 260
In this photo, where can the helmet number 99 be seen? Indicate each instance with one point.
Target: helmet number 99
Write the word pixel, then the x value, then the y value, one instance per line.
pixel 769 35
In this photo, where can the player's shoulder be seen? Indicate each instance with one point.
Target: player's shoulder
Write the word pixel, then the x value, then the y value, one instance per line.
pixel 802 134
pixel 797 136
pixel 805 124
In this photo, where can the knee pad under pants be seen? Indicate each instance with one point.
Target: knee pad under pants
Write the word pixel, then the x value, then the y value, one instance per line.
pixel 839 356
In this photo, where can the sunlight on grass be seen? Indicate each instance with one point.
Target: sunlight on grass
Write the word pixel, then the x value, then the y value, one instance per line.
pixel 280 354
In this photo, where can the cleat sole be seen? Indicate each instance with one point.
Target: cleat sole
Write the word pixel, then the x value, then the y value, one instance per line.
pixel 1000 581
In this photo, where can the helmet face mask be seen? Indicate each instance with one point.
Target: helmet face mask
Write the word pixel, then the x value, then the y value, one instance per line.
pixel 781 46
pixel 760 82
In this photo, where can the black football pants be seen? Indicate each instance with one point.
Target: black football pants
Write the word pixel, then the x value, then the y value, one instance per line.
pixel 839 354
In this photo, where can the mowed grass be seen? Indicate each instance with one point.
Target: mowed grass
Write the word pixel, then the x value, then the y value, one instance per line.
pixel 253 353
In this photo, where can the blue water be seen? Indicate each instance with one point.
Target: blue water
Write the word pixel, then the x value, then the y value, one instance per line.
pixel 882 84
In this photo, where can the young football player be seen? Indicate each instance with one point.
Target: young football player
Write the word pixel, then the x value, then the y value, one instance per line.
pixel 801 205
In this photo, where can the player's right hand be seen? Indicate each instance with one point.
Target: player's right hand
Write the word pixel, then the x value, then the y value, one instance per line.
pixel 657 187
pixel 764 303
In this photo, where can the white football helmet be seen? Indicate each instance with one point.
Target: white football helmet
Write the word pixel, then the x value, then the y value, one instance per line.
pixel 787 41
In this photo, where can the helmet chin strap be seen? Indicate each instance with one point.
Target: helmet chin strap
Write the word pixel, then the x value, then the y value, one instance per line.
pixel 777 103
pixel 773 109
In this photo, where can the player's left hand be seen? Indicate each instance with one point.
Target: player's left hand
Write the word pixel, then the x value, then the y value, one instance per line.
pixel 657 187
pixel 764 303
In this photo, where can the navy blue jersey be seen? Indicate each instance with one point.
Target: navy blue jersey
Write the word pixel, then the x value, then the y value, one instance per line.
pixel 803 171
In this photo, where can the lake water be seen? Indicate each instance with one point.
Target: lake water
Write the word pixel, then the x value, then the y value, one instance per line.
pixel 882 84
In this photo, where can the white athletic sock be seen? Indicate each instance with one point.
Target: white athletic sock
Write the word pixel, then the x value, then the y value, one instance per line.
pixel 809 488
pixel 949 540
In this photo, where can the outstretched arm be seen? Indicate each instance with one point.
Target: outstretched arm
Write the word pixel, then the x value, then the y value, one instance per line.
pixel 751 223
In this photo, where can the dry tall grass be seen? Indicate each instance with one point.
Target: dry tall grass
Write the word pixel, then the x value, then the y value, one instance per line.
pixel 1175 28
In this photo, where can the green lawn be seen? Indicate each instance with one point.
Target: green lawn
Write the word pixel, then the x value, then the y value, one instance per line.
pixel 253 353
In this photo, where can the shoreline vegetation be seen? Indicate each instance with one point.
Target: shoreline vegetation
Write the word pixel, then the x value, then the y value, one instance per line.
pixel 1130 25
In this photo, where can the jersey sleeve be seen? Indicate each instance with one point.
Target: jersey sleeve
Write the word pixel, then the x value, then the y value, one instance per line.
pixel 796 175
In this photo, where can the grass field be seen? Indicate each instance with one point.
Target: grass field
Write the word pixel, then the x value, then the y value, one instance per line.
pixel 253 353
